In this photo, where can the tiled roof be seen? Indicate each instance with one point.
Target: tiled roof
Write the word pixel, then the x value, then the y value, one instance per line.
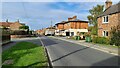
pixel 5 24
pixel 111 10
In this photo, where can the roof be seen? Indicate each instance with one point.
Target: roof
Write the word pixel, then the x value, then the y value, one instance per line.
pixel 5 24
pixel 76 20
pixel 111 10
pixel 63 22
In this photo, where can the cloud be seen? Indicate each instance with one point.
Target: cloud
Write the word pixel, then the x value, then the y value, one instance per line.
pixel 40 14
pixel 57 0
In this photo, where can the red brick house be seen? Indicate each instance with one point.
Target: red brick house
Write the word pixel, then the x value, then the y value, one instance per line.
pixel 108 19
pixel 72 26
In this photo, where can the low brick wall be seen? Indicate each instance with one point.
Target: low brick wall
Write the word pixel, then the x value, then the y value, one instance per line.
pixel 19 36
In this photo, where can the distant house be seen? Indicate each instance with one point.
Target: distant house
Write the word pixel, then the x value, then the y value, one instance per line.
pixel 50 31
pixel 71 27
pixel 60 28
pixel 11 25
pixel 108 19
pixel 5 24
pixel 16 25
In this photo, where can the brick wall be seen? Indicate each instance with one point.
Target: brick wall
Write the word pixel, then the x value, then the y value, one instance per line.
pixel 60 26
pixel 113 20
pixel 76 25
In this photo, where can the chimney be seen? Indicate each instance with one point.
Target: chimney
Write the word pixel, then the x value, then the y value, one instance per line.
pixel 7 20
pixel 108 4
pixel 74 17
pixel 69 19
pixel 18 21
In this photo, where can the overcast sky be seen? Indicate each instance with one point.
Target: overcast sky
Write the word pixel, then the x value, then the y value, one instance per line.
pixel 40 14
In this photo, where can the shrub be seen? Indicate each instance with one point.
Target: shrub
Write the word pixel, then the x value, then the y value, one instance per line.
pixel 115 36
pixel 100 40
pixel 19 32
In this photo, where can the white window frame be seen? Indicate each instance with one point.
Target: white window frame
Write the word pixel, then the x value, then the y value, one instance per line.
pixel 105 33
pixel 105 20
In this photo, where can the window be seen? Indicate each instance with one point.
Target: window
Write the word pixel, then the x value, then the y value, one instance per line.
pixel 68 24
pixel 105 33
pixel 105 19
pixel 72 33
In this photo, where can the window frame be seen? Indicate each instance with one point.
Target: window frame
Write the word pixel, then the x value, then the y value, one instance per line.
pixel 105 19
pixel 105 33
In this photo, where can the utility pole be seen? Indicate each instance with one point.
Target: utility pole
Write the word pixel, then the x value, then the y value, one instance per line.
pixel 51 27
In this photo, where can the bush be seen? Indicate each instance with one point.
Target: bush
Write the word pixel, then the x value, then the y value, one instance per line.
pixel 115 36
pixel 4 35
pixel 19 32
pixel 101 40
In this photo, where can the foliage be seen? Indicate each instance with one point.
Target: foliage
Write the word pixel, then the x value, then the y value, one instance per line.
pixel 95 12
pixel 88 34
pixel 4 35
pixel 25 54
pixel 19 32
pixel 101 40
pixel 115 36
pixel 24 27
pixel 93 30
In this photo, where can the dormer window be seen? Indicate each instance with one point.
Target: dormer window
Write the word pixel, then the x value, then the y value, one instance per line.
pixel 105 19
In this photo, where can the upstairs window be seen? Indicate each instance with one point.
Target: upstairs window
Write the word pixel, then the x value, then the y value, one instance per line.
pixel 105 19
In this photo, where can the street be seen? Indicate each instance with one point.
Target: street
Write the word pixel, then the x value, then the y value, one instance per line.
pixel 64 53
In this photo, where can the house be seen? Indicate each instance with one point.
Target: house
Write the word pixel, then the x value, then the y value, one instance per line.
pixel 16 25
pixel 108 19
pixel 5 24
pixel 11 25
pixel 60 29
pixel 50 31
pixel 71 27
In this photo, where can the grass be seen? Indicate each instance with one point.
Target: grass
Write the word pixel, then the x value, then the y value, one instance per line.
pixel 25 54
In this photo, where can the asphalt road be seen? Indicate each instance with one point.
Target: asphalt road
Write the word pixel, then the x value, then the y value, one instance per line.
pixel 64 53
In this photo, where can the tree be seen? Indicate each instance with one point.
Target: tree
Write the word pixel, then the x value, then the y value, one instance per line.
pixel 24 27
pixel 95 12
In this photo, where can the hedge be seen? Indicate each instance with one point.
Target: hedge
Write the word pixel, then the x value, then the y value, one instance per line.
pixel 101 40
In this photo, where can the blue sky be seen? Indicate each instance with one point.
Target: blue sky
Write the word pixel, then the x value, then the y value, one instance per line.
pixel 40 14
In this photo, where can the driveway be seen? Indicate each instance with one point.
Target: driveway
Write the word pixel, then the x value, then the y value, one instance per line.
pixel 63 53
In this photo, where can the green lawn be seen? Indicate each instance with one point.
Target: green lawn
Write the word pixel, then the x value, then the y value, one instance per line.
pixel 25 54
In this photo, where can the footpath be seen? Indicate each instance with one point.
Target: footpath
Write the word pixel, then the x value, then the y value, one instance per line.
pixel 105 48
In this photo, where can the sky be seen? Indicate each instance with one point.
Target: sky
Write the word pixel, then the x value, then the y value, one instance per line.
pixel 39 15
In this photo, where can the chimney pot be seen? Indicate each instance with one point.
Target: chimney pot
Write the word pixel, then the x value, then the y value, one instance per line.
pixel 108 3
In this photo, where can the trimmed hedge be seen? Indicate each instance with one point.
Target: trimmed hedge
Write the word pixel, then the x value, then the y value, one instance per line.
pixel 19 32
pixel 101 40
pixel 4 35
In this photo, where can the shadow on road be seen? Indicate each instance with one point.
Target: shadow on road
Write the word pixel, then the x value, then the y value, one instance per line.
pixel 112 62
pixel 70 54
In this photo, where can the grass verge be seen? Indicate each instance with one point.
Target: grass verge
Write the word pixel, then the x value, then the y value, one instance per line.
pixel 24 54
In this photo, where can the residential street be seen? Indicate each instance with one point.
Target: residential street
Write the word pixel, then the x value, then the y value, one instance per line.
pixel 63 53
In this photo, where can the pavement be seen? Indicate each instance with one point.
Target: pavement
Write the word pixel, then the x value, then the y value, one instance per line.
pixel 64 53
pixel 105 48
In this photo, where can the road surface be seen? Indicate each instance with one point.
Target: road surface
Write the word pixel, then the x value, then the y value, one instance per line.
pixel 64 53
